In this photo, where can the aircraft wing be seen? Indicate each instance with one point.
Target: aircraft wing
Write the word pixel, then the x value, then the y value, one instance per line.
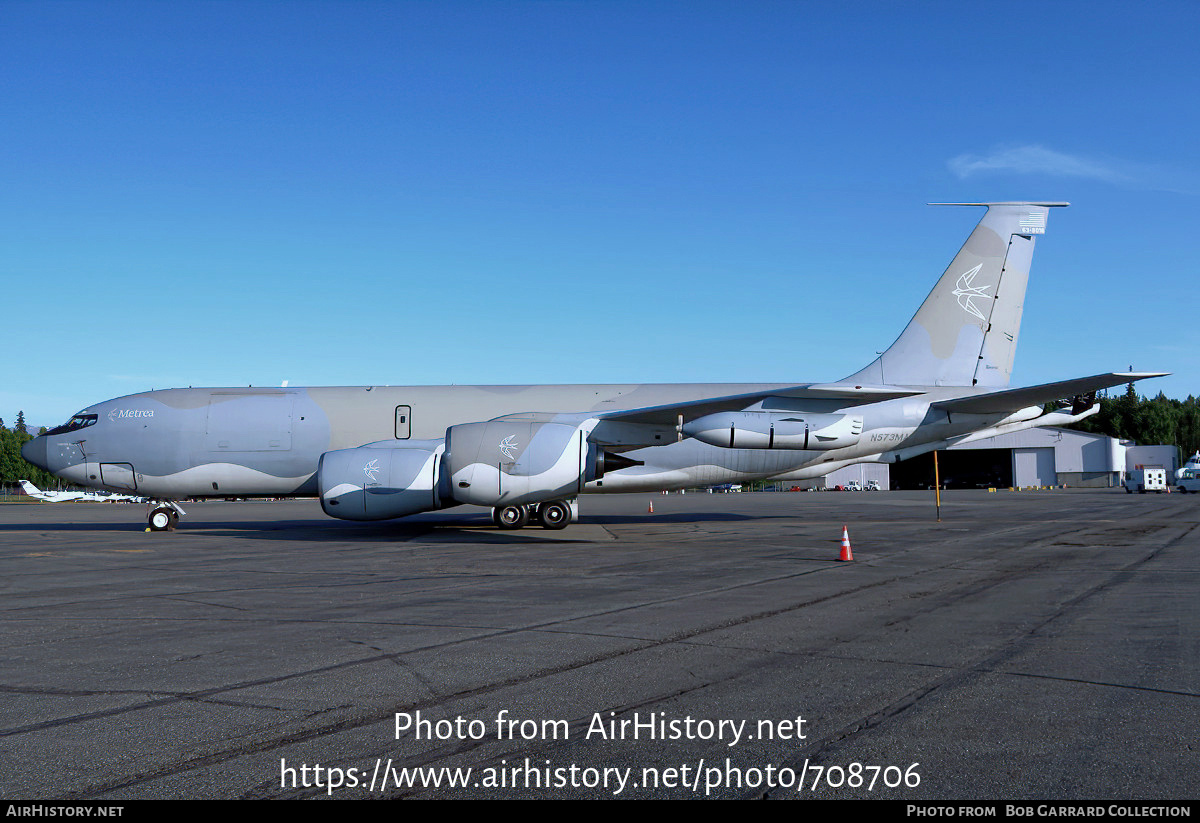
pixel 845 394
pixel 1011 400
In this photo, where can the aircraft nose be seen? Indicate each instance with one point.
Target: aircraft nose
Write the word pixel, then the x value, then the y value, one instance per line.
pixel 35 452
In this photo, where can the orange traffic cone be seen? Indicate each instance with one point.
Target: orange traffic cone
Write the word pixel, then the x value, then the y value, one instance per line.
pixel 651 511
pixel 847 554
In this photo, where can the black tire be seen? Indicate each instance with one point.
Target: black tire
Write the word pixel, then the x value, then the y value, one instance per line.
pixel 163 519
pixel 1183 489
pixel 511 517
pixel 554 516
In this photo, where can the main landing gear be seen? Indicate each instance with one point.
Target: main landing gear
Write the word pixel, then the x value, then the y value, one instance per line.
pixel 163 515
pixel 555 515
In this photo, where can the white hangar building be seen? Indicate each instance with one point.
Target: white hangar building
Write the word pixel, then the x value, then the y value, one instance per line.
pixel 1034 457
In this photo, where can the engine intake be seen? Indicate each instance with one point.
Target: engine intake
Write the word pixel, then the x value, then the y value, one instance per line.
pixel 381 480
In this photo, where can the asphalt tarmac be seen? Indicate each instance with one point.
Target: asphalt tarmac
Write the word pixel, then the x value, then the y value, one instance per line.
pixel 1032 645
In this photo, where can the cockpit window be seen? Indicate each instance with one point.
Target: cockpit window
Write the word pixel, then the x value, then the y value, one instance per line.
pixel 79 421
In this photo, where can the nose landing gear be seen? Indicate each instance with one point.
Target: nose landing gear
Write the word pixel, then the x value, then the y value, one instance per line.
pixel 163 515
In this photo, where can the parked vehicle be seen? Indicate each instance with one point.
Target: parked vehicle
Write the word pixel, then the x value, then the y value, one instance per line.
pixel 1188 480
pixel 1143 479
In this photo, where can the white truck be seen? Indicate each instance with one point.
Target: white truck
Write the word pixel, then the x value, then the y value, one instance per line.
pixel 1188 480
pixel 1146 479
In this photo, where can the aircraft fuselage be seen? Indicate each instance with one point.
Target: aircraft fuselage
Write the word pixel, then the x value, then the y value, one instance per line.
pixel 189 443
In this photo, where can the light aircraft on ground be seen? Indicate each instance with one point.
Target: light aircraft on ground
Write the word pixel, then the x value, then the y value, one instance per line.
pixel 65 497
pixel 56 497
pixel 380 452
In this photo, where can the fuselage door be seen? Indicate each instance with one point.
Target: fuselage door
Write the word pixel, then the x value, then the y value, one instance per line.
pixel 403 422
pixel 118 476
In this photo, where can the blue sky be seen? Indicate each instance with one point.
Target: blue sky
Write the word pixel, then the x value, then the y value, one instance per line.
pixel 231 193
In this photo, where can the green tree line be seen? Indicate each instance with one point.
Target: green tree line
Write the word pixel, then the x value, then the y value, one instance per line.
pixel 1149 421
pixel 12 466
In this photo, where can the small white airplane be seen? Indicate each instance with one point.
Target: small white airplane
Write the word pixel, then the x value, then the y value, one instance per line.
pixel 65 497
pixel 56 497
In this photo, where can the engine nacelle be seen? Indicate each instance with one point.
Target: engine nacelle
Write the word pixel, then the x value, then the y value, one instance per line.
pixel 776 430
pixel 381 480
pixel 520 459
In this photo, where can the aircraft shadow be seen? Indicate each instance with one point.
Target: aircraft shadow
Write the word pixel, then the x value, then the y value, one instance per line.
pixel 682 517
pixel 468 529
pixel 72 527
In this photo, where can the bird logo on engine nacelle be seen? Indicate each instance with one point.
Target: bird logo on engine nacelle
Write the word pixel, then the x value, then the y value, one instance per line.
pixel 372 469
pixel 508 445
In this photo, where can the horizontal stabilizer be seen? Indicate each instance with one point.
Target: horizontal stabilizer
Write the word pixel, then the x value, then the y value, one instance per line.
pixel 1011 400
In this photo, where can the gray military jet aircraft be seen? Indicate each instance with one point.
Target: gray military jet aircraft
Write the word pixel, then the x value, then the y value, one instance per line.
pixel 379 452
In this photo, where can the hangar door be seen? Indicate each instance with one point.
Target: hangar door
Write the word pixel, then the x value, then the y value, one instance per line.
pixel 1034 467
pixel 960 469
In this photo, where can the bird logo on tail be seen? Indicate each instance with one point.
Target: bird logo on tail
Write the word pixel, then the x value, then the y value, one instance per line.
pixel 966 292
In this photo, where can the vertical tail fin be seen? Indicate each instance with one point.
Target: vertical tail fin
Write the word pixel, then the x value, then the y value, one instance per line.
pixel 965 333
pixel 30 489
